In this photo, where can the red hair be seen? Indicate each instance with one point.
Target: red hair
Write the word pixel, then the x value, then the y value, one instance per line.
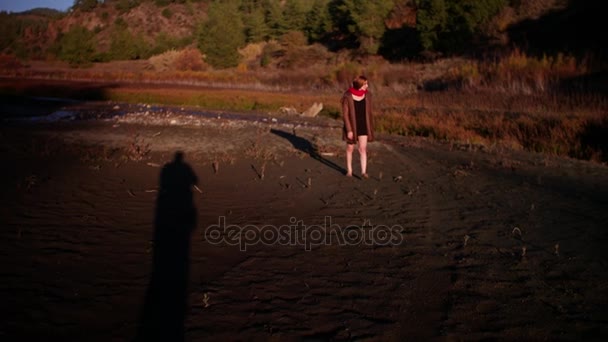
pixel 359 82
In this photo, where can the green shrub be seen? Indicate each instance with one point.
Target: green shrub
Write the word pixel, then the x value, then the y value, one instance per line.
pixel 77 46
pixel 126 5
pixel 119 22
pixel 164 42
pixel 125 46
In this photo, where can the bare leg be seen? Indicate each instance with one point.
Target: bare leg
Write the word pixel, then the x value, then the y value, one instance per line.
pixel 349 159
pixel 363 154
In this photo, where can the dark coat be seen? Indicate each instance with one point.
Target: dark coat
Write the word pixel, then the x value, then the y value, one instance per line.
pixel 348 115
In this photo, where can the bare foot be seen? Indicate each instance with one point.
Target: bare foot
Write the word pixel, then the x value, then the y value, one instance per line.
pixel 365 175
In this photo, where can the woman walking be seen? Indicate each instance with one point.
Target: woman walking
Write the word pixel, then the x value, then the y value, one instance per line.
pixel 358 123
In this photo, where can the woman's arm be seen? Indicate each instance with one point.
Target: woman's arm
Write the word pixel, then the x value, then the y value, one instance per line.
pixel 346 115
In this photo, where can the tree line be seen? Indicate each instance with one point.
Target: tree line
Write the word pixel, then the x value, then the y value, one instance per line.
pixel 441 26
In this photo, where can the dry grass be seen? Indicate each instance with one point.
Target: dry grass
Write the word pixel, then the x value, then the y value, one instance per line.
pixel 516 73
pixel 579 135
pixel 517 101
pixel 189 59
pixel 9 62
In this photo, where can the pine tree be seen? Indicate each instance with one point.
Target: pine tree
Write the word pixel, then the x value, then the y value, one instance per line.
pixel 125 46
pixel 431 21
pixel 295 15
pixel 318 21
pixel 222 34
pixel 451 26
pixel 255 26
pixel 275 20
pixel 368 17
pixel 77 46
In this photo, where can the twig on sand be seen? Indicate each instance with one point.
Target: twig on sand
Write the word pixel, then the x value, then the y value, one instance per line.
pixel 302 183
pixel 197 189
pixel 466 240
pixel 206 300
pixel 152 164
pixel 364 194
pixel 130 192
pixel 516 232
pixel 263 171
pixel 256 172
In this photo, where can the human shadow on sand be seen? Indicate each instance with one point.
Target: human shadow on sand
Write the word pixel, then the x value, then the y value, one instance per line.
pixel 306 146
pixel 164 310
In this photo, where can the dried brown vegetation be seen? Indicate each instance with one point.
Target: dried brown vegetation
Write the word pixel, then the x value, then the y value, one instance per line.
pixel 517 101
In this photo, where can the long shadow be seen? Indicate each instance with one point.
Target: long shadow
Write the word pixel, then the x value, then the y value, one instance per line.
pixel 307 147
pixel 594 139
pixel 21 98
pixel 164 310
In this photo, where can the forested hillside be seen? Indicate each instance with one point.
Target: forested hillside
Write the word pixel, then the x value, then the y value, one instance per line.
pixel 397 30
